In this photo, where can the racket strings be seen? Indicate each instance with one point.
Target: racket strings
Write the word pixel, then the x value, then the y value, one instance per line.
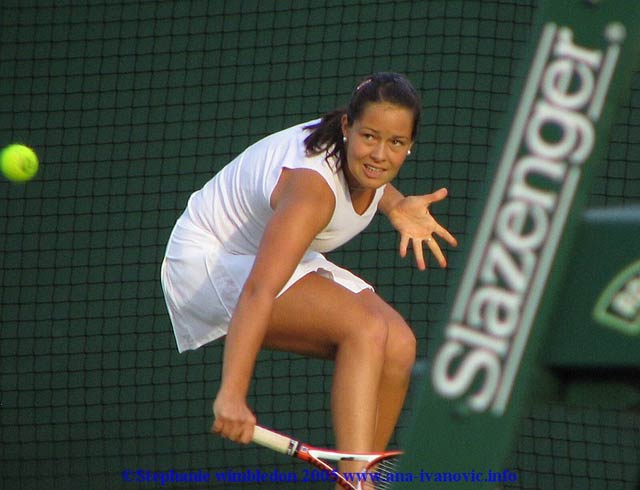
pixel 384 472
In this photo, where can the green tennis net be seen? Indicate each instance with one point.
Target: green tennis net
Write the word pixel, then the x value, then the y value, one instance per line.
pixel 133 105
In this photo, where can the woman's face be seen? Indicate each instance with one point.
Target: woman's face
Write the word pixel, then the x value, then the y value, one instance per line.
pixel 377 144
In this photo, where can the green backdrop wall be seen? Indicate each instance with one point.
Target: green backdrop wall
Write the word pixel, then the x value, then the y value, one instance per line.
pixel 132 105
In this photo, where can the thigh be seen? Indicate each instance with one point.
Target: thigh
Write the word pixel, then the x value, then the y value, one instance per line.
pixel 316 314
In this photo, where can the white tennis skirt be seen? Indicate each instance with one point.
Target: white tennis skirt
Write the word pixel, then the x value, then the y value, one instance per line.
pixel 202 283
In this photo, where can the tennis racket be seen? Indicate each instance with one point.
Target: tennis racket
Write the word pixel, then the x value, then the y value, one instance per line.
pixel 377 471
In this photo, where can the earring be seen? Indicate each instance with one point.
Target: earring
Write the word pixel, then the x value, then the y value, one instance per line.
pixel 408 152
pixel 344 139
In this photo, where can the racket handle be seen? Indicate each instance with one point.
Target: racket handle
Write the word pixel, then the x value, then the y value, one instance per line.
pixel 274 441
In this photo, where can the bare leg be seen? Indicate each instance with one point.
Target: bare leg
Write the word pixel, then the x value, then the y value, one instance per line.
pixel 396 375
pixel 371 345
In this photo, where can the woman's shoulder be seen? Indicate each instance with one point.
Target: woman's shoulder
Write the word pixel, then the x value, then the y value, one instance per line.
pixel 286 146
pixel 291 135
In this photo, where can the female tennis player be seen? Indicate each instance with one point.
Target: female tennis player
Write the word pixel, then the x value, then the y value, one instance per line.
pixel 244 261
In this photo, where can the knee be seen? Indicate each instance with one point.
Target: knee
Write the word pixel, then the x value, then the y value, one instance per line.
pixel 373 333
pixel 387 338
pixel 400 355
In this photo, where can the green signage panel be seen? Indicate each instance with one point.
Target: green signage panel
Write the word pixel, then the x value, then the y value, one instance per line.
pixel 479 380
pixel 597 322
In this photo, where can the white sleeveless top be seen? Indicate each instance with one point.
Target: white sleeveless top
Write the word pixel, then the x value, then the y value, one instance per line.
pixel 214 242
pixel 234 206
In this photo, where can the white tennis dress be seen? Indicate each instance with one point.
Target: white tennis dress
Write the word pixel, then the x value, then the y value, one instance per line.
pixel 214 242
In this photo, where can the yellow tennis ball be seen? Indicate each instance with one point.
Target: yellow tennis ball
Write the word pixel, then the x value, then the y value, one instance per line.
pixel 19 163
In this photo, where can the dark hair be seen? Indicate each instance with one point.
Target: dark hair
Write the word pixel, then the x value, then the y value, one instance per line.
pixel 326 135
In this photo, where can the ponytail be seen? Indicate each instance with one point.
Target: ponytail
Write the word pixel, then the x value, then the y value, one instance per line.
pixel 326 135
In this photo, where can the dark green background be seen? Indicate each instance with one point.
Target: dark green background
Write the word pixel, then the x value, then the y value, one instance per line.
pixel 131 106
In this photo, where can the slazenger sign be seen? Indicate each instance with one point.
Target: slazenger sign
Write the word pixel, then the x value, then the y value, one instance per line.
pixel 551 137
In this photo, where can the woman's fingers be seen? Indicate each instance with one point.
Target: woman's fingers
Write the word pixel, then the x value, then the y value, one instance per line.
pixel 233 421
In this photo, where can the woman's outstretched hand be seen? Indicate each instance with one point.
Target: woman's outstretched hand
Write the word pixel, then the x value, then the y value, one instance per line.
pixel 413 220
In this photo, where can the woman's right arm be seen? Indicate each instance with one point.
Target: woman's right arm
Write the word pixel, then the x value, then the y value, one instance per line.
pixel 303 204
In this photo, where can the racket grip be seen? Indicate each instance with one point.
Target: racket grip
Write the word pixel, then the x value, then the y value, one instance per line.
pixel 274 441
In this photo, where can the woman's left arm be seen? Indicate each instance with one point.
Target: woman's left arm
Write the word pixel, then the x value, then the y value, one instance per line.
pixel 410 216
